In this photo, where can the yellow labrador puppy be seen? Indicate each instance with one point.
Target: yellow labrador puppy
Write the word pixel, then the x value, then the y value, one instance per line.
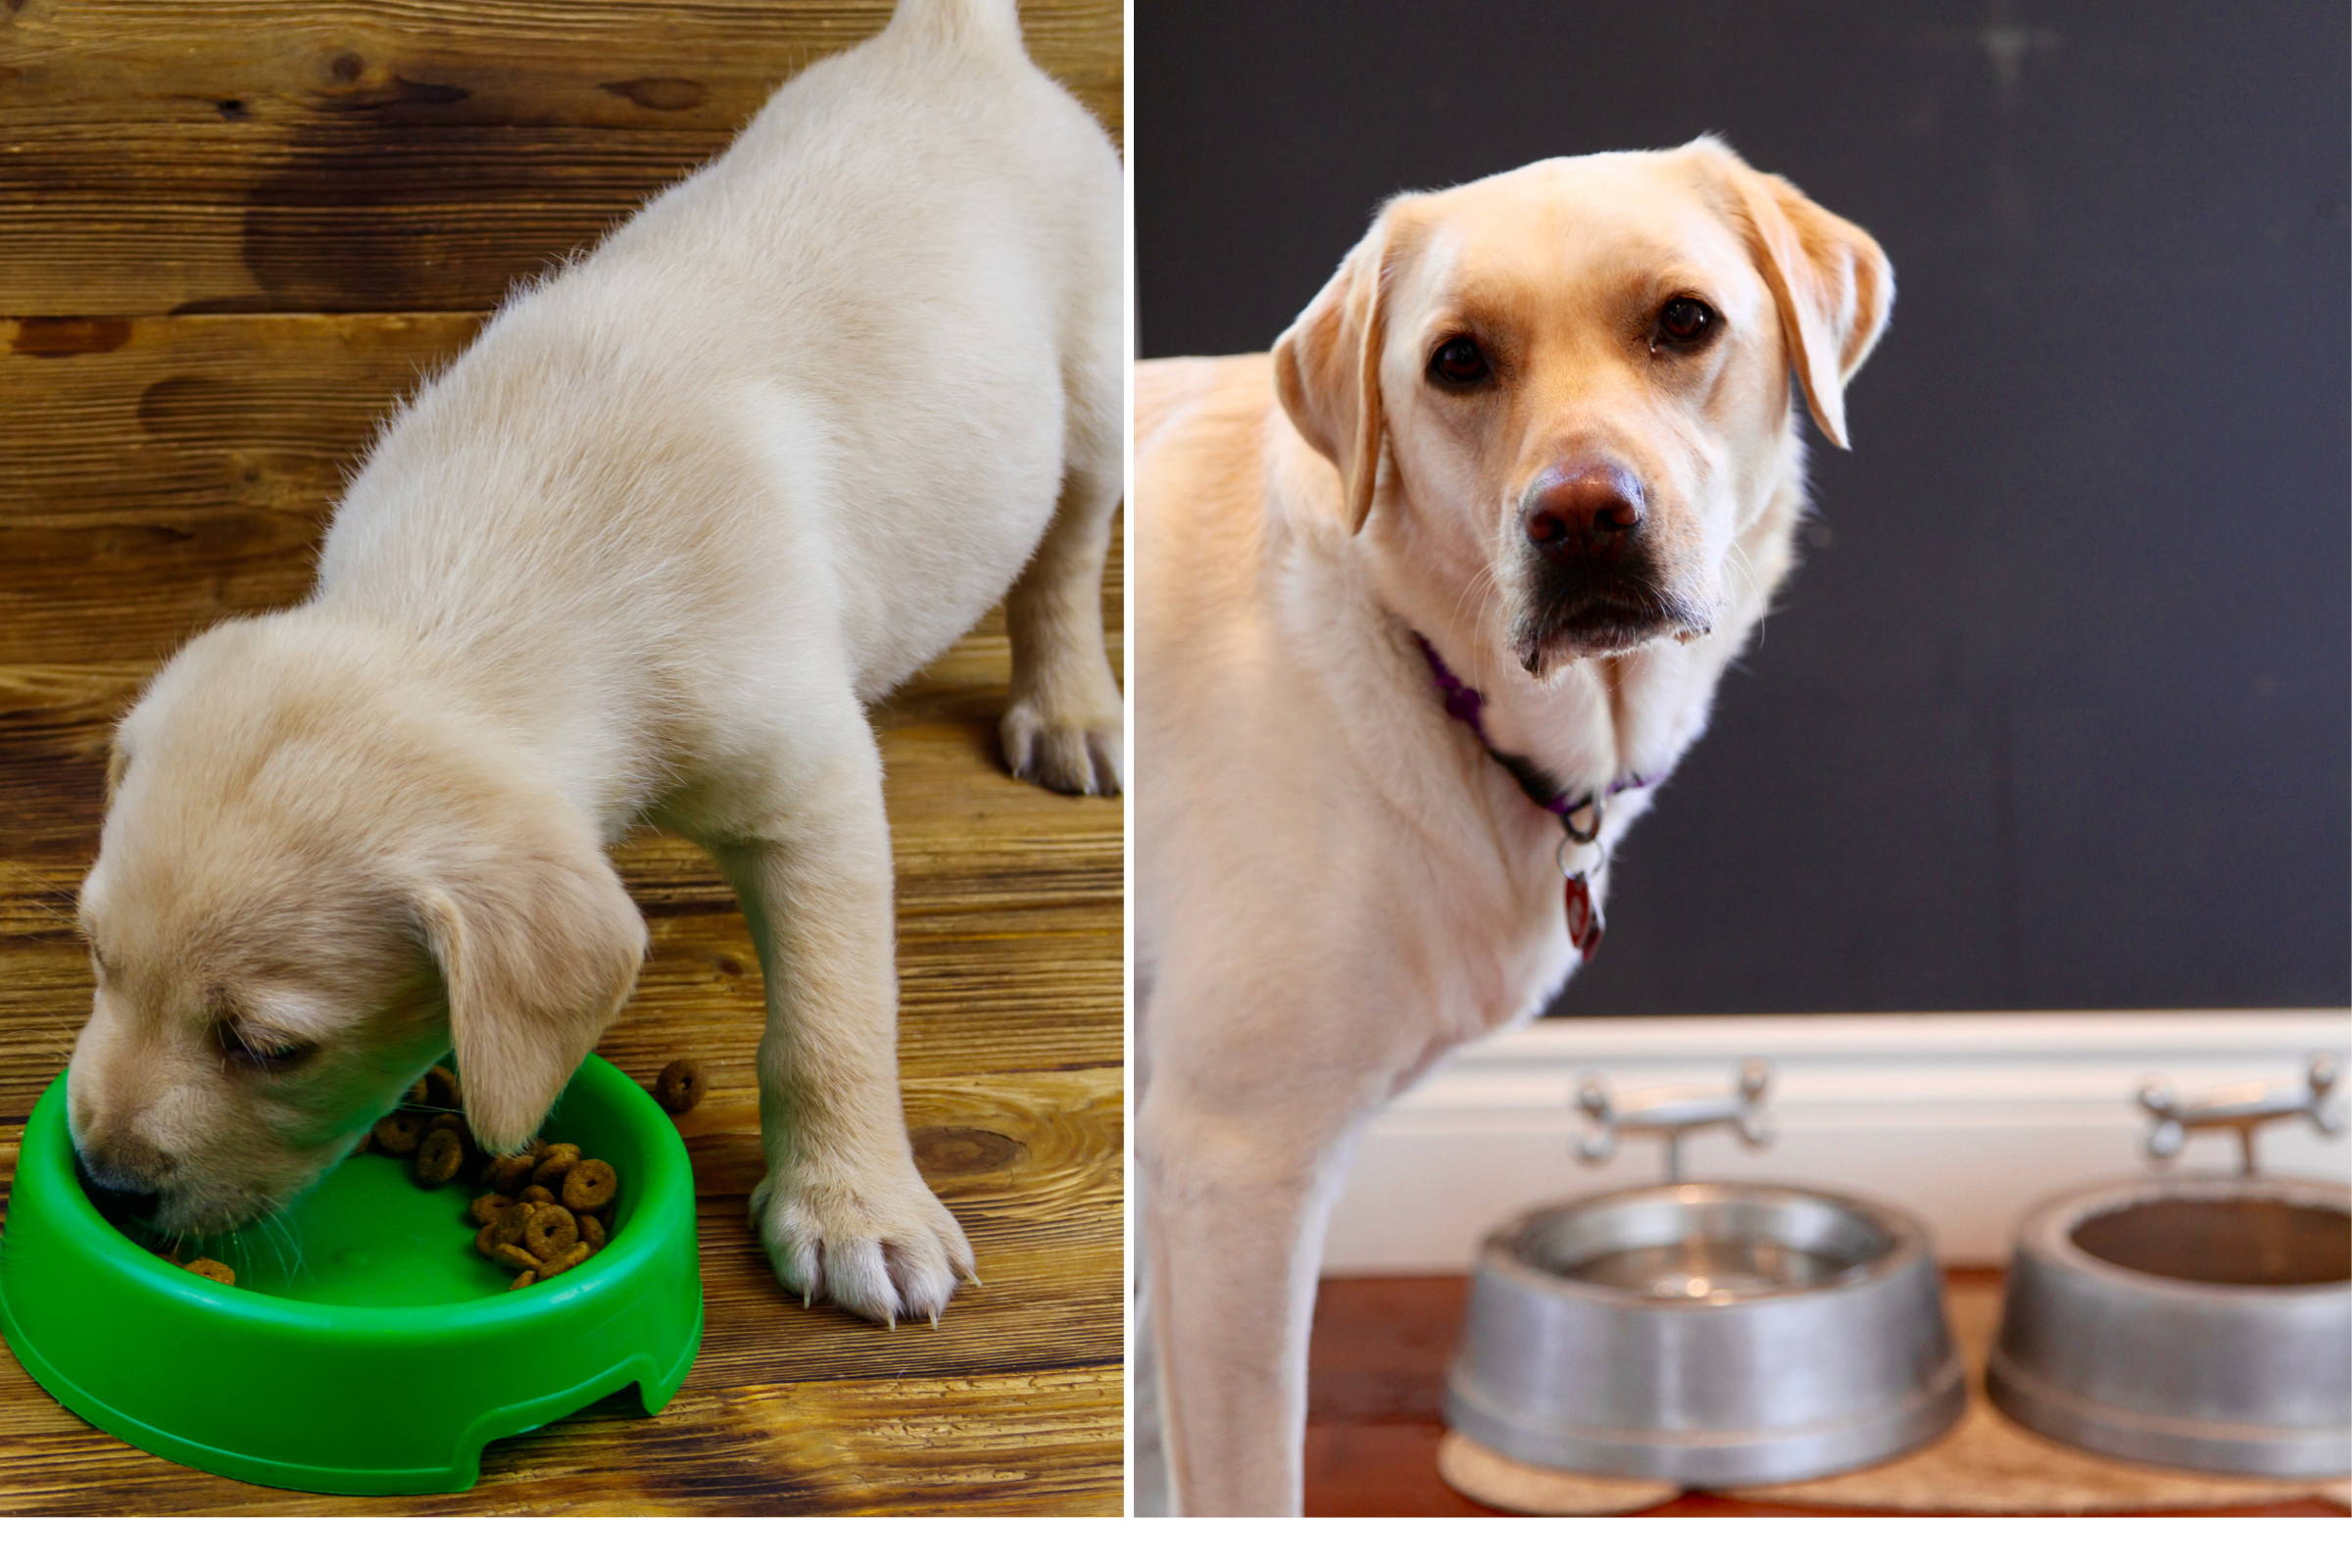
pixel 642 554
pixel 1429 601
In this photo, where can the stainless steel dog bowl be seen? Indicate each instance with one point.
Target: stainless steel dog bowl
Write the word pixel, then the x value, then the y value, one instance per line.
pixel 2204 1322
pixel 1712 1334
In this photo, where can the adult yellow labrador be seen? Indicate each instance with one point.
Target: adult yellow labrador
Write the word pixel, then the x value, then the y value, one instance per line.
pixel 1429 601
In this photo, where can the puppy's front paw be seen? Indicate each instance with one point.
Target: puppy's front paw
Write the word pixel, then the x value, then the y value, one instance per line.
pixel 883 1248
pixel 1074 754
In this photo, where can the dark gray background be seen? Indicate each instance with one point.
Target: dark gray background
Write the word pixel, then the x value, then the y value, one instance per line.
pixel 2054 714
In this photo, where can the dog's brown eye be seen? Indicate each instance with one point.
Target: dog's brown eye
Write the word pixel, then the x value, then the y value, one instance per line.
pixel 1685 321
pixel 263 1050
pixel 1458 362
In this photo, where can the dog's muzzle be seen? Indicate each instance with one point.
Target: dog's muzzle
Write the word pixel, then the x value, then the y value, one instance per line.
pixel 1594 587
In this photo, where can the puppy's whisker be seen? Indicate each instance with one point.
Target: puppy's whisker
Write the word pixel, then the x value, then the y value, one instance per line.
pixel 301 1264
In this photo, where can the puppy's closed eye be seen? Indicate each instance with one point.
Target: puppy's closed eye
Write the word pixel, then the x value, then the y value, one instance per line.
pixel 246 1046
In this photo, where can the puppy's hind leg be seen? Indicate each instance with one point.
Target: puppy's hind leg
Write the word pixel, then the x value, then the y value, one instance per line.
pixel 843 1212
pixel 1067 727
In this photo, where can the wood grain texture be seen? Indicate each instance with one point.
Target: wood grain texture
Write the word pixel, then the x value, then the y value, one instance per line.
pixel 183 469
pixel 983 1442
pixel 414 155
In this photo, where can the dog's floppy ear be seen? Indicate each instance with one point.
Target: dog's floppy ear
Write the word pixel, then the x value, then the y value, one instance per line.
pixel 1832 282
pixel 1327 367
pixel 538 945
pixel 118 763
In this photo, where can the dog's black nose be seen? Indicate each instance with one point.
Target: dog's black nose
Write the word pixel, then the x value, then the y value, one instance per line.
pixel 116 1196
pixel 1587 513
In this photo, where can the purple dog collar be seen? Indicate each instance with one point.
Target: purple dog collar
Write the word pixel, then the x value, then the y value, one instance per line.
pixel 1580 816
pixel 1466 702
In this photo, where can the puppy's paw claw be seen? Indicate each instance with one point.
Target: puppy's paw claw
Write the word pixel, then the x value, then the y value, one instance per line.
pixel 1084 757
pixel 883 1249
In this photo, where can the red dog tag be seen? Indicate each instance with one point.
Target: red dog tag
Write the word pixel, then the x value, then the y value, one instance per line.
pixel 1584 920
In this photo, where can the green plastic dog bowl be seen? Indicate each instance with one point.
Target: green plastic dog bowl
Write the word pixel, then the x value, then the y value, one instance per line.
pixel 367 1347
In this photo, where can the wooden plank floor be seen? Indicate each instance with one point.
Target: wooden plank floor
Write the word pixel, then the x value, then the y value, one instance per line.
pixel 230 244
pixel 1376 1407
pixel 345 155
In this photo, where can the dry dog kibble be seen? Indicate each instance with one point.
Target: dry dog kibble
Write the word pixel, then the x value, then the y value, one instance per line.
pixel 401 1132
pixel 438 1087
pixel 590 1186
pixel 507 1229
pixel 542 1214
pixel 549 1268
pixel 439 1156
pixel 366 1138
pixel 680 1086
pixel 213 1269
pixel 550 1232
pixel 555 1164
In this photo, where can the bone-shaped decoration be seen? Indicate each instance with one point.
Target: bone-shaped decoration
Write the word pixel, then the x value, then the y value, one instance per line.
pixel 2241 1108
pixel 1673 1114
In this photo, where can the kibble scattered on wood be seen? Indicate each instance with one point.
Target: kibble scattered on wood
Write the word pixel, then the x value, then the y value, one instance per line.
pixel 680 1086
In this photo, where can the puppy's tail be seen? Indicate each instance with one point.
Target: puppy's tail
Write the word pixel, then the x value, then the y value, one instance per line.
pixel 988 24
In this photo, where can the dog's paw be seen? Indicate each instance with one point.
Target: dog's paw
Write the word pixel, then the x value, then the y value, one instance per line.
pixel 883 1249
pixel 1073 757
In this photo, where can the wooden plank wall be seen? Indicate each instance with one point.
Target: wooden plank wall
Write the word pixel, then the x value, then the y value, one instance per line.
pixel 231 236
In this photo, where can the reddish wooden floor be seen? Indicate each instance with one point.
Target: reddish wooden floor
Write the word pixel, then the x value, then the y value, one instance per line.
pixel 1376 1407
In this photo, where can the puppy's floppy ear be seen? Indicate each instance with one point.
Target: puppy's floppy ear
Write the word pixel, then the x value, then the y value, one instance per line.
pixel 538 945
pixel 1327 367
pixel 1832 282
pixel 117 762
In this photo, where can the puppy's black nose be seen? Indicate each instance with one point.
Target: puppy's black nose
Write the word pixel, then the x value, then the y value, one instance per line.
pixel 1587 513
pixel 114 1194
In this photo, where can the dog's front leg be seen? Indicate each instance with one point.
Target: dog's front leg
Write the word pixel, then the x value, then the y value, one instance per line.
pixel 1234 1212
pixel 843 1212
